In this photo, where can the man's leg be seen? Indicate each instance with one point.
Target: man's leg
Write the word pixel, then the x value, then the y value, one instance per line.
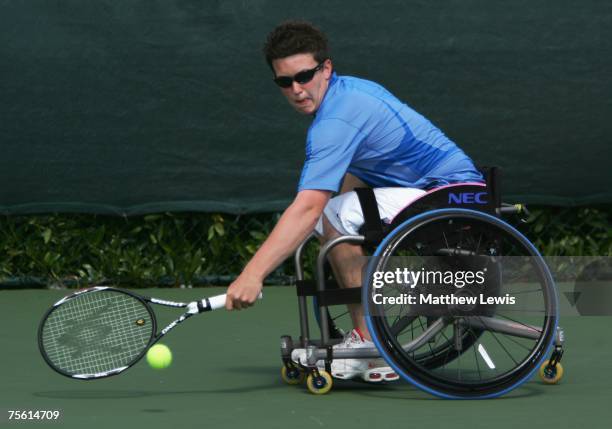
pixel 347 259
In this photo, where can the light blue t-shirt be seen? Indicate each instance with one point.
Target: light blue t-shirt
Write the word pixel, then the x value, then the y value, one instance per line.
pixel 361 128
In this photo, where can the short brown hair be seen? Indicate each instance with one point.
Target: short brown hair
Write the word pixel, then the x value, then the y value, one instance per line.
pixel 295 37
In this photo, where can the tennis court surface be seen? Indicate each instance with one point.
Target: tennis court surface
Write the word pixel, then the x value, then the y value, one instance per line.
pixel 226 374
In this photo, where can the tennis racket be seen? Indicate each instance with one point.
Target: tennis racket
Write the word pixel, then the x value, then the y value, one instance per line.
pixel 102 331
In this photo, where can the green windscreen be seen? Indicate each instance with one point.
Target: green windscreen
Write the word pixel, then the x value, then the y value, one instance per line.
pixel 129 107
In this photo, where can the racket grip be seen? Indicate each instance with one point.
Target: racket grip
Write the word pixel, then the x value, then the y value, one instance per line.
pixel 218 301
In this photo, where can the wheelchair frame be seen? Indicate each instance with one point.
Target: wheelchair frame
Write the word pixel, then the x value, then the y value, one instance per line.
pixel 322 349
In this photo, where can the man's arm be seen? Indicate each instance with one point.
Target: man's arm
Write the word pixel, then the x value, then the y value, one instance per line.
pixel 296 223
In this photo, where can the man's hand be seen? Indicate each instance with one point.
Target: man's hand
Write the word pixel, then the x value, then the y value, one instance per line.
pixel 243 292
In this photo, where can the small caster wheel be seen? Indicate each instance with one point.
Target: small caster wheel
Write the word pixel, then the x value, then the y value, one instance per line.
pixel 551 375
pixel 292 375
pixel 321 384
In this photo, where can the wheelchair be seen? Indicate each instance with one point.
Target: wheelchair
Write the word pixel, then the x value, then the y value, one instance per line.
pixel 443 337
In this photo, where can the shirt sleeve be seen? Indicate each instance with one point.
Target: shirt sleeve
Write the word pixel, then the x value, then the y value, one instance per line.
pixel 330 146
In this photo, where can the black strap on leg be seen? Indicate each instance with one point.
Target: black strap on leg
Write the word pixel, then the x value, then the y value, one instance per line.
pixel 329 296
pixel 305 288
pixel 340 296
pixel 309 287
pixel 372 228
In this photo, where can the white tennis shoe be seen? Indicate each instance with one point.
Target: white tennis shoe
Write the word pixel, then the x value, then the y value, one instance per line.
pixel 371 370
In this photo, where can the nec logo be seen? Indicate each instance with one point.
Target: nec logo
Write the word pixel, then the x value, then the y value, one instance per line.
pixel 467 198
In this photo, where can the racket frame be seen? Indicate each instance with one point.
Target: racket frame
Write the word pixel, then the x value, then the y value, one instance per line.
pixel 194 307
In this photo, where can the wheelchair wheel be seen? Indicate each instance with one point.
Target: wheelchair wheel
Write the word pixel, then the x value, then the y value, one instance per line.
pixel 452 334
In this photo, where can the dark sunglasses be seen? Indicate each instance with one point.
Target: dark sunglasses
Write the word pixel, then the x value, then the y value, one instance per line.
pixel 301 77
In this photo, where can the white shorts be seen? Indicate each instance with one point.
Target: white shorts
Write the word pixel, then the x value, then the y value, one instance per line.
pixel 345 215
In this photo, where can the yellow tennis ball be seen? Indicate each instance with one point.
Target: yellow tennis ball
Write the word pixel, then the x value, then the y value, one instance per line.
pixel 159 356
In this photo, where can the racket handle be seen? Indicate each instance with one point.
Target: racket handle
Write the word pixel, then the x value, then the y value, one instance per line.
pixel 216 302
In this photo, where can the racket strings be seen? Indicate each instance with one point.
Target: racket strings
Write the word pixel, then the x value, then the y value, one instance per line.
pixel 97 332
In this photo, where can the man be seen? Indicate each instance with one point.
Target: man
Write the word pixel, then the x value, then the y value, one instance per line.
pixel 361 135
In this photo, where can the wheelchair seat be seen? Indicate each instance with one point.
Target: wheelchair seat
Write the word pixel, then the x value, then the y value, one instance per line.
pixel 480 196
